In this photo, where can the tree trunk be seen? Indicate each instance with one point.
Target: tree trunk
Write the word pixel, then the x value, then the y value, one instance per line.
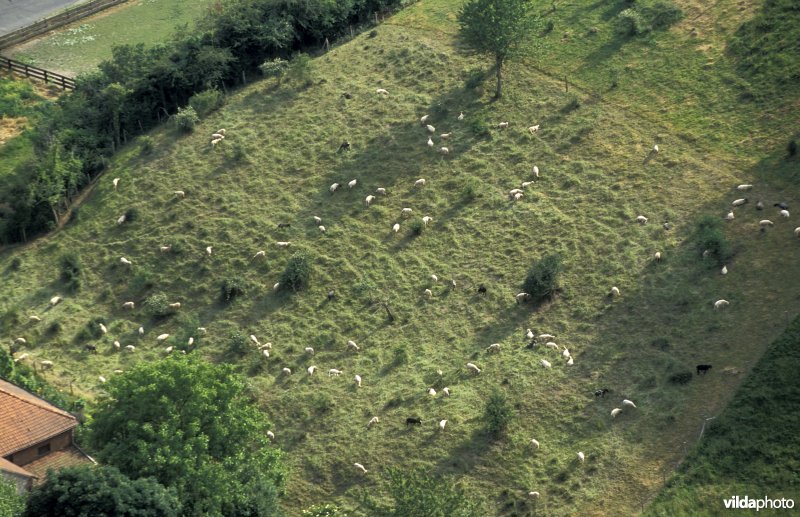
pixel 498 68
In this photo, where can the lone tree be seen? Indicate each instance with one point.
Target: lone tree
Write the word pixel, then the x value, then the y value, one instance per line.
pixel 497 28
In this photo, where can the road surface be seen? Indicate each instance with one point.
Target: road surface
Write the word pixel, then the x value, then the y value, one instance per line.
pixel 15 14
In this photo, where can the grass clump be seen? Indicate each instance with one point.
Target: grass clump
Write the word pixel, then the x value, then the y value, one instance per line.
pixel 297 273
pixel 542 279
pixel 681 377
pixel 497 414
pixel 648 16
pixel 471 189
pixel 70 264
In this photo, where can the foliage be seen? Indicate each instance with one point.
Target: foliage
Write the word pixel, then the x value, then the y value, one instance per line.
pixel 750 448
pixel 25 377
pixel 274 67
pixel 497 28
pixel 767 51
pixel 297 273
pixel 238 343
pixel 497 414
pixel 206 102
pixel 415 493
pixel 471 189
pixel 417 226
pixel 11 504
pixel 681 377
pixel 192 426
pixel 100 491
pixel 324 510
pixel 232 288
pixel 648 16
pixel 186 119
pixel 542 279
pixel 70 264
pixel 300 69
pixel 709 237
pixel 146 144
pixel 14 97
pixel 156 305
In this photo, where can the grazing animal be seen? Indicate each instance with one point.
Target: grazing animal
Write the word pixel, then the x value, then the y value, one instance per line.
pixel 764 223
pixel 121 219
pixel 117 345
pixel 785 213
pixel 730 216
pixel 333 187
pixel 360 468
pixel 473 368
pixel 444 150
pixel 424 120
pixel 130 348
pixel 381 191
pixel 797 232
pixel 358 380
pixel 641 219
pixel 344 147
pixel 162 337
pixel 565 354
pixel 442 423
pixel 782 205
pixel 655 149
pixel 202 329
pixel 570 361
pixel 260 254
pixel 434 278
pixel 413 421
pixel 614 291
pixel 546 336
pixel 446 391
pixel 34 317
pixel 283 244
pixel 309 350
pixel 616 411
pixel 744 187
pixel 739 202
pixel 254 339
pixel 545 363
pixel 535 443
pixel 482 289
pixel 333 372
pixel 372 421
pixel 396 227
pixel 103 329
pixel 406 212
pixel 535 171
pixel 369 199
pixel 582 456
pixel 169 349
pixel 331 295
pixel 426 220
pixel 287 371
pixel 209 250
pixel 627 402
pixel 759 206
pixel 381 91
pixel 724 270
pixel 533 495
pixel 502 125
pixel 657 256
pixel 179 193
pixel 176 305
pixel 276 286
pixel 271 435
pixel 190 341
pixel 430 142
pixel 352 183
pixel 431 392
pixel 721 303
pixel 115 182
pixel 703 368
pixel 522 297
pixel 317 220
pixel 601 392
pixel 321 229
pixel 164 249
pixel 445 136
pixel 494 347
pixel 141 331
pixel 90 348
pixel 460 116
pixel 420 182
pixel 529 334
pixel 101 378
pixel 430 128
pixel 125 261
pixel 533 129
pixel 311 370
pixel 46 365
pixel 284 225
pixel 428 293
pixel 551 344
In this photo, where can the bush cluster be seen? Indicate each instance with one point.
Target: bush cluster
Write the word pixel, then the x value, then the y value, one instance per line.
pixel 297 273
pixel 542 279
pixel 648 16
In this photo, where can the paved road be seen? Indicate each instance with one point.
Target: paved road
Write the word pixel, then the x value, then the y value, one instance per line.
pixel 19 13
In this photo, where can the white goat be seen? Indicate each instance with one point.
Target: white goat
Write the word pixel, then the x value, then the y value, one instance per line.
pixel 352 183
pixel 125 261
pixel 420 182
pixel 641 219
pixel 309 350
pixel 616 411
pixel 627 402
pixel 721 303
pixel 333 187
pixel 358 380
pixel 162 337
pixel 545 363
pixel 473 368
pixel 369 199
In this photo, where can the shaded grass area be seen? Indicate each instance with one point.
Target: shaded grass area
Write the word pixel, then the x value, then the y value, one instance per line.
pixel 275 166
pixel 81 46
pixel 748 449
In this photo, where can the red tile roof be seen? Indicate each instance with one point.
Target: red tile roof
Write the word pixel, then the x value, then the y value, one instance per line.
pixel 71 456
pixel 14 469
pixel 26 419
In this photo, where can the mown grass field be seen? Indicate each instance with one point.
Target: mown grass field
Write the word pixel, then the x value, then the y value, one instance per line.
pixel 81 46
pixel 749 448
pixel 275 166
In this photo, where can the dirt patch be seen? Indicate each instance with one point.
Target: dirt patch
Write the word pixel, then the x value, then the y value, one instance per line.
pixel 11 127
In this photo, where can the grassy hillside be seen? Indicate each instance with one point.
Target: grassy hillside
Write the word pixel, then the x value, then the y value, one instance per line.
pixel 749 449
pixel 81 46
pixel 276 165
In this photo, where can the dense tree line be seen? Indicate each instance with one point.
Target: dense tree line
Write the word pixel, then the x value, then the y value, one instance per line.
pixel 140 86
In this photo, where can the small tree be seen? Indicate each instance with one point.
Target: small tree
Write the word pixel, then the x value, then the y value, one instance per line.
pixel 497 414
pixel 101 491
pixel 542 279
pixel 231 288
pixel 11 505
pixel 297 272
pixel 186 119
pixel 498 28
pixel 156 305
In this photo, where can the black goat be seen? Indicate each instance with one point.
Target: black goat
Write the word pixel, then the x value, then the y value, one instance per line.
pixel 601 392
pixel 413 421
pixel 703 368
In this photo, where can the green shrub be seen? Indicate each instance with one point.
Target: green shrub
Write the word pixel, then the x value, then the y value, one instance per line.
pixel 274 68
pixel 207 102
pixel 238 343
pixel 497 414
pixel 141 280
pixel 542 279
pixel 71 271
pixel 364 287
pixel 662 14
pixel 681 377
pixel 54 328
pixel 186 119
pixel 156 305
pixel 297 273
pixel 324 510
pixel 630 22
pixel 417 226
pixel 16 263
pixel 549 26
pixel 572 104
pixel 478 126
pixel 471 189
pixel 131 215
pixel 301 69
pixel 232 288
pixel 399 355
pixel 146 144
pixel 709 237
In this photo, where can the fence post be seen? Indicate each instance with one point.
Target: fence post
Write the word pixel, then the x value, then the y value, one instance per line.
pixel 26 70
pixel 45 77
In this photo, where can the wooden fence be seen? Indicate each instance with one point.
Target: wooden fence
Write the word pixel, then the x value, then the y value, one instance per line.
pixel 17 67
pixel 55 21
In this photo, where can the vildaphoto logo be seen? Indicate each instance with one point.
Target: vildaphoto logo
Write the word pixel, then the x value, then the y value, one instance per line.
pixel 748 503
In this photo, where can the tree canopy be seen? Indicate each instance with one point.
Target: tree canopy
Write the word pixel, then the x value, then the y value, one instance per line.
pixel 498 28
pixel 100 492
pixel 11 505
pixel 192 426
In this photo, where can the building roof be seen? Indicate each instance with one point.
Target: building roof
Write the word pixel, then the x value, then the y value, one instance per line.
pixel 7 466
pixel 71 456
pixel 26 419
